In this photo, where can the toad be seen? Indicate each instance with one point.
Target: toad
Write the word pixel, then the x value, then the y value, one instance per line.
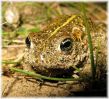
pixel 63 46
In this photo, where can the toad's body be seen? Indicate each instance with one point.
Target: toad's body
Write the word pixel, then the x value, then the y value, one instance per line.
pixel 62 46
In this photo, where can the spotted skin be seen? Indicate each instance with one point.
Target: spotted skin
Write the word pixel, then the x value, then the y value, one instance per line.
pixel 45 55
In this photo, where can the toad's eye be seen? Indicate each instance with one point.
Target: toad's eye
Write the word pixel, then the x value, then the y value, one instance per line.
pixel 28 42
pixel 66 44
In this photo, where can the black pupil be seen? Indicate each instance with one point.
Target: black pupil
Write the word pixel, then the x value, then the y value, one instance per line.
pixel 28 42
pixel 66 44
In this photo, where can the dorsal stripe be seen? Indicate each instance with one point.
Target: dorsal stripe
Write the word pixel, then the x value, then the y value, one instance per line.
pixel 65 23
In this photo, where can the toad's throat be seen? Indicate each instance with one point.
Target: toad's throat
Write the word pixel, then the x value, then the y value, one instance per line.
pixel 55 72
pixel 58 70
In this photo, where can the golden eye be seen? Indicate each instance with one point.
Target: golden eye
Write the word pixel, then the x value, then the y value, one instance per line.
pixel 28 42
pixel 66 44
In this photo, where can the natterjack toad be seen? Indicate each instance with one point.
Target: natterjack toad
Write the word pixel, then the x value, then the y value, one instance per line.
pixel 62 46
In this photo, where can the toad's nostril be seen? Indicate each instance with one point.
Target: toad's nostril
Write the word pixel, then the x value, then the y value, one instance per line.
pixel 28 42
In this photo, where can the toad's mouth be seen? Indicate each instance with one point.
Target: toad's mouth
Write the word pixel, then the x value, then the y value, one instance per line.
pixel 59 70
pixel 55 72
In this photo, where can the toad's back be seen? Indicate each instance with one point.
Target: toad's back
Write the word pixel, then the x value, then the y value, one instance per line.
pixel 63 45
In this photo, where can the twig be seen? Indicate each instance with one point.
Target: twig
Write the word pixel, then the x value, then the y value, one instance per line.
pixel 13 46
pixel 13 41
